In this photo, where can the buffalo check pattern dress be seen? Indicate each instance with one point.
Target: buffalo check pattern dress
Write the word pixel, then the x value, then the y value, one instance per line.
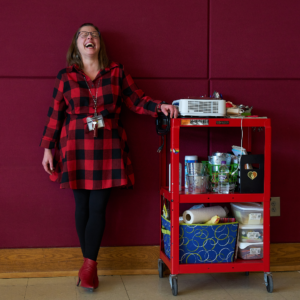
pixel 80 160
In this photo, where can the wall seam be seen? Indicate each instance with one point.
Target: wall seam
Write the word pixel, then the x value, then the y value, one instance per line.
pixel 163 78
pixel 208 69
pixel 208 40
pixel 252 79
pixel 143 78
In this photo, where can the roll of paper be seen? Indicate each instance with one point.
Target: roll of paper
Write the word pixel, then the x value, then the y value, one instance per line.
pixel 202 215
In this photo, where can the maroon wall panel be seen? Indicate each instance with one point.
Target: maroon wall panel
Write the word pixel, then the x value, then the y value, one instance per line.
pixel 34 211
pixel 153 38
pixel 254 39
pixel 270 98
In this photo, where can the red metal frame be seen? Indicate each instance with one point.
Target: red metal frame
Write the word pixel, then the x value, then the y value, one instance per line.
pixel 175 197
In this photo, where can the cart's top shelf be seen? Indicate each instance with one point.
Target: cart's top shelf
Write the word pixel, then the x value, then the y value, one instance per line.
pixel 221 122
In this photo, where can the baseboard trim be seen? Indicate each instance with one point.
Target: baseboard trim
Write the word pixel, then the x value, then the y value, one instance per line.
pixel 285 257
pixel 74 273
pixel 58 262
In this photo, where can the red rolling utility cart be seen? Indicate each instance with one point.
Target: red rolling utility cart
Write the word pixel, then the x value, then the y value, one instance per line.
pixel 175 197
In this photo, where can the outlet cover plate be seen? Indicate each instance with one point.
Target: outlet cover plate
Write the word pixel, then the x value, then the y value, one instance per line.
pixel 275 206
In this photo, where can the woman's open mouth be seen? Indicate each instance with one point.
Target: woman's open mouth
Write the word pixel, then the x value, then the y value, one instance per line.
pixel 89 45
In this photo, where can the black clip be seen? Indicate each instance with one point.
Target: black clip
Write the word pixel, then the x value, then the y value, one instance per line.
pixel 162 127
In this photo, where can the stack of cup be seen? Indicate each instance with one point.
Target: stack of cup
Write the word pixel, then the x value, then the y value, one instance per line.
pixel 197 178
pixel 188 159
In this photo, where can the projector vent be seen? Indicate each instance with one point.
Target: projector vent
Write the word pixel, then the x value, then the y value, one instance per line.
pixel 203 106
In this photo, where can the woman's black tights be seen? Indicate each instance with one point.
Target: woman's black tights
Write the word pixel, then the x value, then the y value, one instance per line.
pixel 90 219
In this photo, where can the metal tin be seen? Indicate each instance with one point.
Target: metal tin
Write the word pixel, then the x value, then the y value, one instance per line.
pixel 198 184
pixel 195 169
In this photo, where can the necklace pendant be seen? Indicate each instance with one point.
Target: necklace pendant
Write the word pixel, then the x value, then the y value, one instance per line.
pixel 95 128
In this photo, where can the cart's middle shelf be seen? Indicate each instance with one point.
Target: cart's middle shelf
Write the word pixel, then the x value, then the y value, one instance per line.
pixel 185 197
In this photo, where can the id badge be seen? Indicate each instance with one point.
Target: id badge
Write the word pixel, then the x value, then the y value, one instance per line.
pixel 95 122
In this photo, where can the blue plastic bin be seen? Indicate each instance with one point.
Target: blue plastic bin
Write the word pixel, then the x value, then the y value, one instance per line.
pixel 200 243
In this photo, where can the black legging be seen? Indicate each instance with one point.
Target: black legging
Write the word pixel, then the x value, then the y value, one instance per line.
pixel 90 219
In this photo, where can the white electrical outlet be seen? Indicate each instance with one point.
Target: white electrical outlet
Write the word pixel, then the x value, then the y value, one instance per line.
pixel 275 206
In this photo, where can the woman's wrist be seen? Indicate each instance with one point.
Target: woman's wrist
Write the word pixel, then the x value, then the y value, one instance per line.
pixel 158 107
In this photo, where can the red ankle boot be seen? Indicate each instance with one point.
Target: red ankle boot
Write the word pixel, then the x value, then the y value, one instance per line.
pixel 88 275
pixel 80 271
pixel 96 280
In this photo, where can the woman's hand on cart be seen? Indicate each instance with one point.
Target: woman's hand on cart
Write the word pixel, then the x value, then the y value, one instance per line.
pixel 168 108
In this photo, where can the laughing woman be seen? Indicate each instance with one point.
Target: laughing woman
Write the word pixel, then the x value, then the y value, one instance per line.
pixel 83 126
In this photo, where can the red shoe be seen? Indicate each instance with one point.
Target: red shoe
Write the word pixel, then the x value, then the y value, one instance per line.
pixel 87 275
pixel 80 272
pixel 96 280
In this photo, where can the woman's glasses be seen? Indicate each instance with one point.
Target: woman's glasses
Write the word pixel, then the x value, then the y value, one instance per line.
pixel 85 34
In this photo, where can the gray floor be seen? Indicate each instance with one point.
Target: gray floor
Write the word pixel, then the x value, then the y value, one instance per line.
pixel 220 286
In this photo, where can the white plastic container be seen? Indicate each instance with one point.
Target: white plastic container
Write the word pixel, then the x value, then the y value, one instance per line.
pixel 251 233
pixel 248 213
pixel 188 159
pixel 250 250
pixel 180 181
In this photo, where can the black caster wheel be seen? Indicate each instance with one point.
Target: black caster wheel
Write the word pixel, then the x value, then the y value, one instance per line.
pixel 174 286
pixel 247 273
pixel 269 284
pixel 161 267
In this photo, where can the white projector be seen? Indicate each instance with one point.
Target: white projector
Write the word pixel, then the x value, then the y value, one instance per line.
pixel 203 107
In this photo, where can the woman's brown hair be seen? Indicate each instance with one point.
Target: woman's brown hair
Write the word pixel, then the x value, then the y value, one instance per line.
pixel 73 54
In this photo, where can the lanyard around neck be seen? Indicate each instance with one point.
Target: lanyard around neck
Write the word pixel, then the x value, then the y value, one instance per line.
pixel 94 97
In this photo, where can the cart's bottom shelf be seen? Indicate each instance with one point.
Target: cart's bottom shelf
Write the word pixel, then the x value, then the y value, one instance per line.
pixel 238 265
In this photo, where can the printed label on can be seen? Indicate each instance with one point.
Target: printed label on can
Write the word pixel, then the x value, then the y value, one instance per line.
pixel 214 178
pixel 255 251
pixel 255 216
pixel 252 235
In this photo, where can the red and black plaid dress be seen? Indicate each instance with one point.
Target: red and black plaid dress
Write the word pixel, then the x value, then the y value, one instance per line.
pixel 82 161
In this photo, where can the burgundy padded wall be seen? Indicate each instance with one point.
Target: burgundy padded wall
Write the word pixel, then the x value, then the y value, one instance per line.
pixel 246 50
pixel 152 38
pixel 254 39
